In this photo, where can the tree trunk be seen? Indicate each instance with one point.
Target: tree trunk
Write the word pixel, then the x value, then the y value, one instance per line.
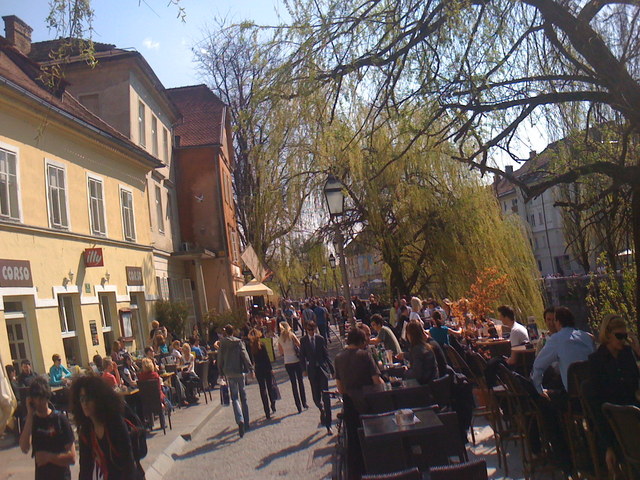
pixel 635 225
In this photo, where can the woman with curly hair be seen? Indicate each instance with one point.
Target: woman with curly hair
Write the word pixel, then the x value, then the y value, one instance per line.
pixel 105 445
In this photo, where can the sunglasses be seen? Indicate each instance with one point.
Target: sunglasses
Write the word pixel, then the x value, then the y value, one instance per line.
pixel 621 336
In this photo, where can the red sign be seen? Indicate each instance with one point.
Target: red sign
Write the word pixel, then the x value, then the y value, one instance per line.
pixel 15 273
pixel 93 257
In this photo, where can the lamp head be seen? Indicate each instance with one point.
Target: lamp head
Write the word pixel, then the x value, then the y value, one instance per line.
pixel 334 196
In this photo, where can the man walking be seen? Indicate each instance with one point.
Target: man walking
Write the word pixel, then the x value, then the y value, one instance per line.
pixel 314 357
pixel 234 362
pixel 322 320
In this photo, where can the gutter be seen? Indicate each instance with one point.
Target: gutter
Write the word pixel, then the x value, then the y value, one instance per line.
pixel 149 160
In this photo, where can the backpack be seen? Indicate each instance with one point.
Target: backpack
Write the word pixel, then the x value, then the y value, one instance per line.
pixel 137 434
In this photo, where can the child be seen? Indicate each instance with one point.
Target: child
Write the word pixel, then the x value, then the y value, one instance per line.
pixel 48 434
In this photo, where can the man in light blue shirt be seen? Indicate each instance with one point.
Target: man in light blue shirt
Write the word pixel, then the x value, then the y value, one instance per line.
pixel 568 345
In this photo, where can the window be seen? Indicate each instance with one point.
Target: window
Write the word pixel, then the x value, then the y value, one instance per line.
pixel 532 220
pixel 142 124
pixel 57 195
pixel 105 313
pixel 9 185
pixel 67 316
pixel 168 213
pixel 540 218
pixel 154 135
pixel 128 220
pixel 165 145
pixel 96 206
pixel 162 285
pixel 159 209
pixel 233 254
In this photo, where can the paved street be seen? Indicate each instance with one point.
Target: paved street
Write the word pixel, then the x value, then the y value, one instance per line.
pixel 289 445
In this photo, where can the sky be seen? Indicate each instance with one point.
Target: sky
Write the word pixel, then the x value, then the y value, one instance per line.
pixel 152 28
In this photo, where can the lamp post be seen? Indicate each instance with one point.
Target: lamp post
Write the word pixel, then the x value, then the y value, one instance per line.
pixel 332 262
pixel 335 203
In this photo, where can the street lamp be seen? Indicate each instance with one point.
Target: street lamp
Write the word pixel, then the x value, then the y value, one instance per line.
pixel 332 260
pixel 333 194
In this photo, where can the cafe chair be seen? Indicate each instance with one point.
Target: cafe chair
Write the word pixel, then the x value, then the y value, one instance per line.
pixel 414 398
pixel 380 456
pixel 152 404
pixel 451 441
pixel 625 423
pixel 464 471
pixel 202 371
pixel 410 474
pixel 440 390
pixel 456 362
pixel 591 427
pixel 171 368
pixel 575 422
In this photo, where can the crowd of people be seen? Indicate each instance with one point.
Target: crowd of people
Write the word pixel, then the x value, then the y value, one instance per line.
pixel 413 333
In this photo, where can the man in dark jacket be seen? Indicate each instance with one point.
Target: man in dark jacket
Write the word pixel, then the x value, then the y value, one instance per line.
pixel 314 357
pixel 234 362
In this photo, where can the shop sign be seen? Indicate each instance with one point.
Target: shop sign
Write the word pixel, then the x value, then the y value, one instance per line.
pixel 15 273
pixel 134 276
pixel 93 328
pixel 93 257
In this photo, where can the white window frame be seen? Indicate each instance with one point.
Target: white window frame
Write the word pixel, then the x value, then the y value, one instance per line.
pixel 159 209
pixel 154 135
pixel 16 152
pixel 121 189
pixel 100 180
pixel 165 144
pixel 48 162
pixel 62 312
pixel 142 124
pixel 103 317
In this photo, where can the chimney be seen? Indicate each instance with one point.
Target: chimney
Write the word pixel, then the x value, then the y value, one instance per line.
pixel 508 169
pixel 532 154
pixel 18 33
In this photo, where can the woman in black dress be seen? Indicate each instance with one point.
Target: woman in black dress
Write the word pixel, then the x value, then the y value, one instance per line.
pixel 263 371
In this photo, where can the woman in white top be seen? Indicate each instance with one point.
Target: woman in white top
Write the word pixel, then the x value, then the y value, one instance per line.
pixel 416 305
pixel 287 345
pixel 188 375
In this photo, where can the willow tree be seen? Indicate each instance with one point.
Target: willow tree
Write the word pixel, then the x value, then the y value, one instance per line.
pixel 272 133
pixel 434 223
pixel 491 69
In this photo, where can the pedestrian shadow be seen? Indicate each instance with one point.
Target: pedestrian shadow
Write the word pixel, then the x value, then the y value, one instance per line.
pixel 303 445
pixel 273 421
pixel 222 439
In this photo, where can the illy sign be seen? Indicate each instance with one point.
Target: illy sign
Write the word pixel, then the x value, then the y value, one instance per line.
pixel 15 273
pixel 93 257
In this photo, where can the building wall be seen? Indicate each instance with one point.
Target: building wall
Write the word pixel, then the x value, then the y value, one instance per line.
pixel 37 136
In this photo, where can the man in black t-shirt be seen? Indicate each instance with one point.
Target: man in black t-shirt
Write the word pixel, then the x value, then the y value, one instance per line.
pixel 48 434
pixel 27 375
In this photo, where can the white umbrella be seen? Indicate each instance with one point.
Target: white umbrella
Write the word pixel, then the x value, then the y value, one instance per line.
pixel 254 289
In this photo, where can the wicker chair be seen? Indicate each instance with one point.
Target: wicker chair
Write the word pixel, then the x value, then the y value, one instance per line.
pixel 411 474
pixel 625 423
pixel 464 471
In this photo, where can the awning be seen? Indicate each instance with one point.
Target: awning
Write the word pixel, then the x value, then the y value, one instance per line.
pixel 254 289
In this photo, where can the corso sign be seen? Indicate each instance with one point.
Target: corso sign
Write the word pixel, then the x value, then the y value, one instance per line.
pixel 15 273
pixel 134 276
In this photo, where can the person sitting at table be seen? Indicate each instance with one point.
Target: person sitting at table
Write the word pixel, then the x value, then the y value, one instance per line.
pixel 614 376
pixel 385 335
pixel 150 354
pixel 422 360
pixel 13 378
pixel 96 364
pixel 149 373
pixel 401 325
pixel 187 373
pixel 59 375
pixel 440 332
pixel 116 353
pixel 159 344
pixel 518 336
pixel 441 358
pixel 129 375
pixel 198 351
pixel 567 346
pixel 155 326
pixel 26 375
pixel 176 352
pixel 354 369
pixel 108 375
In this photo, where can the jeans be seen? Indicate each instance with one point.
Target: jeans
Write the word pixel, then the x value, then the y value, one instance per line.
pixel 265 382
pixel 295 377
pixel 239 400
pixel 323 329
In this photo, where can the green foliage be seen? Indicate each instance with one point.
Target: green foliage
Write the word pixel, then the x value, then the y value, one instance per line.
pixel 216 320
pixel 612 292
pixel 172 315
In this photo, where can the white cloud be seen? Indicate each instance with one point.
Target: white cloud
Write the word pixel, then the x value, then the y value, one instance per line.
pixel 150 44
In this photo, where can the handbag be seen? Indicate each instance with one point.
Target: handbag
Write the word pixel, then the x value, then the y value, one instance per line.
pixel 225 400
pixel 276 390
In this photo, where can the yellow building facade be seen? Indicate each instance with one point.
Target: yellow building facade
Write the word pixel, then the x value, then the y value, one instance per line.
pixel 76 258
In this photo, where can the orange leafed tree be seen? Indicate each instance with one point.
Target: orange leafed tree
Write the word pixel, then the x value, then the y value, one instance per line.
pixel 485 292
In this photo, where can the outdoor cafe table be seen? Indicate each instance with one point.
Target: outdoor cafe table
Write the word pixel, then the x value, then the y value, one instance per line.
pixel 524 358
pixel 496 347
pixel 386 397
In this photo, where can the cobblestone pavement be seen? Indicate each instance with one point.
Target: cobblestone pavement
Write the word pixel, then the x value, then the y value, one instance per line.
pixel 290 445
